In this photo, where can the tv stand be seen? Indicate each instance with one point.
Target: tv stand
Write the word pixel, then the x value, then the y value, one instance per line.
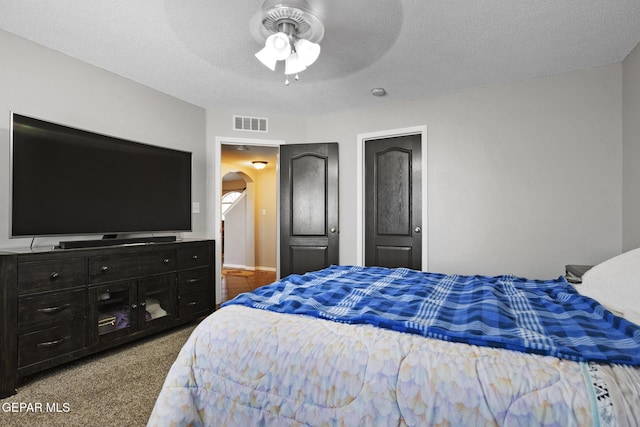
pixel 58 306
pixel 78 244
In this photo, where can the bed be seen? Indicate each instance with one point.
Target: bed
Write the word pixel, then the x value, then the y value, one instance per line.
pixel 350 345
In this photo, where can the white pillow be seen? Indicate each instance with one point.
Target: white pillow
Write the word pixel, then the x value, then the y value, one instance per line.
pixel 615 283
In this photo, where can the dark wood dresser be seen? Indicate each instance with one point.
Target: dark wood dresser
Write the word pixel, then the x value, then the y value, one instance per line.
pixel 60 305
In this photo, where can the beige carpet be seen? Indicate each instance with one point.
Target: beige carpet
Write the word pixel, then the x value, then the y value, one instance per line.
pixel 115 388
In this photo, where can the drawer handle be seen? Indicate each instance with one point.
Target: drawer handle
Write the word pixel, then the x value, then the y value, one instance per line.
pixel 53 310
pixel 166 260
pixel 104 268
pixel 195 257
pixel 194 280
pixel 134 306
pixel 193 302
pixel 54 275
pixel 49 344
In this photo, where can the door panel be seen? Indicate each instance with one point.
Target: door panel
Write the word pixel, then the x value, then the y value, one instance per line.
pixel 308 207
pixel 393 192
pixel 308 196
pixel 393 205
pixel 393 256
pixel 309 258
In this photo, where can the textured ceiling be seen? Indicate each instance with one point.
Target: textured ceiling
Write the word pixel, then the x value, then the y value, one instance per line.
pixel 201 51
pixel 231 155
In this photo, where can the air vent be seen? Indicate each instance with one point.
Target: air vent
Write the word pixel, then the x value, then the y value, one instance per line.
pixel 253 124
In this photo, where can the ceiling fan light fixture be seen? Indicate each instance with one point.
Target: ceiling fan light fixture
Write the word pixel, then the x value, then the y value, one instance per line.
pixel 267 58
pixel 293 64
pixel 276 48
pixel 292 33
pixel 307 51
pixel 279 45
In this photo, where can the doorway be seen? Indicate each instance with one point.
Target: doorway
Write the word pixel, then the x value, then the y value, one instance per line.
pixel 238 220
pixel 220 163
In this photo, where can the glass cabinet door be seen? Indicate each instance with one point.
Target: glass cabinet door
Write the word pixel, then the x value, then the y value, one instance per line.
pixel 156 299
pixel 114 309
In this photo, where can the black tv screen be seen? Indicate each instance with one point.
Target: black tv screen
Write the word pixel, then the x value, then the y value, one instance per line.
pixel 67 181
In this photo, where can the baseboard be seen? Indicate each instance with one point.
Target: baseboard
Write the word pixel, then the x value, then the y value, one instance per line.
pixel 248 267
pixel 238 267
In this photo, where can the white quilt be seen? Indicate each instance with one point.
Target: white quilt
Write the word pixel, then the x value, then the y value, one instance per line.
pixel 248 367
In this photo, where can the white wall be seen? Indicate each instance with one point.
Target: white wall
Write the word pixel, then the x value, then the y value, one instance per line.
pixel 43 83
pixel 523 178
pixel 631 150
pixel 235 231
pixel 266 219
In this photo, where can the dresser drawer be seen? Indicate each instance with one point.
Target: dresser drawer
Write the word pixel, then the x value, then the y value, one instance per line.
pixel 50 309
pixel 193 256
pixel 50 343
pixel 192 280
pixel 195 303
pixel 50 275
pixel 107 268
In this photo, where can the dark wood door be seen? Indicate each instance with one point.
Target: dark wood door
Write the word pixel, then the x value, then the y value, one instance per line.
pixel 393 202
pixel 308 207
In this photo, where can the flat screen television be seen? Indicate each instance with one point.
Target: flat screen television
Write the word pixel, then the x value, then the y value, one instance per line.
pixel 68 181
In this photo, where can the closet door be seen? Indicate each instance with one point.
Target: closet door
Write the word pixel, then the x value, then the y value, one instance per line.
pixel 308 207
pixel 393 205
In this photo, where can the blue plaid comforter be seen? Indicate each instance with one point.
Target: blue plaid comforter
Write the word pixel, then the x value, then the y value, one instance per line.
pixel 536 316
